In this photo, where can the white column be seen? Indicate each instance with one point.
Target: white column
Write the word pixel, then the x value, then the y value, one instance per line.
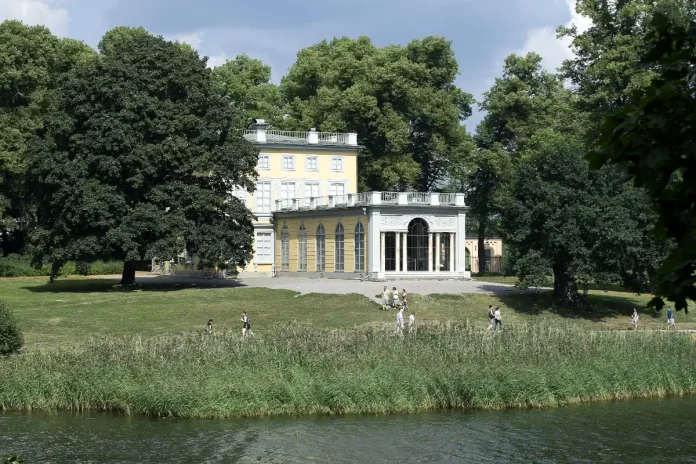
pixel 430 252
pixel 451 260
pixel 460 248
pixel 397 253
pixel 382 267
pixel 405 252
pixel 374 226
pixel 437 252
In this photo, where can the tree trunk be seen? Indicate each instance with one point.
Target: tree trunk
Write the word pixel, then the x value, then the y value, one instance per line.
pixel 483 225
pixel 128 276
pixel 565 290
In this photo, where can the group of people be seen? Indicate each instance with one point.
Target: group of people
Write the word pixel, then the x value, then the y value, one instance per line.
pixel 495 319
pixel 246 326
pixel 670 319
pixel 399 302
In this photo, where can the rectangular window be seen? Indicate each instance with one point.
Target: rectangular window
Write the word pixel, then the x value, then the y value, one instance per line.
pixel 288 162
pixel 263 197
pixel 264 247
pixel 337 163
pixel 312 163
pixel 287 190
pixel 337 189
pixel 264 162
pixel 311 190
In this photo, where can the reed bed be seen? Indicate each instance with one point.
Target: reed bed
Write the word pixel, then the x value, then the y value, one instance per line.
pixel 298 370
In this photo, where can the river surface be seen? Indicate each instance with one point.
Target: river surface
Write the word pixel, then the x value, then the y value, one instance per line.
pixel 652 431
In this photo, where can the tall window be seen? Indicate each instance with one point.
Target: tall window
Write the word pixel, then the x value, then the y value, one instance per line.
pixel 337 189
pixel 264 162
pixel 339 249
pixel 337 163
pixel 285 249
pixel 359 247
pixel 312 163
pixel 311 190
pixel 263 197
pixel 288 162
pixel 287 190
pixel 417 245
pixel 264 247
pixel 321 248
pixel 302 249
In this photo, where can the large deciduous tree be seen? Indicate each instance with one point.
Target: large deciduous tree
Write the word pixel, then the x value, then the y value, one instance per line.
pixel 653 138
pixel 585 226
pixel 32 63
pixel 402 102
pixel 137 161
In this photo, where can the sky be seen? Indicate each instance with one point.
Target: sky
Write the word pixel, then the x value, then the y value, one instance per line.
pixel 483 32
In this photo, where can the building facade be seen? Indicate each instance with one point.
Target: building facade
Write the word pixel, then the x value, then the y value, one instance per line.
pixel 312 222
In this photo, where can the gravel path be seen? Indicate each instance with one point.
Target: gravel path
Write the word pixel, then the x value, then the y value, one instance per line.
pixel 339 286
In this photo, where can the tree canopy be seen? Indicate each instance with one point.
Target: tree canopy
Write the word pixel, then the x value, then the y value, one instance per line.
pixel 652 138
pixel 402 102
pixel 137 160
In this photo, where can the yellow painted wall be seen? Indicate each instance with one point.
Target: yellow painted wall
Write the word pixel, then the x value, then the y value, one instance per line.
pixel 299 173
pixel 329 223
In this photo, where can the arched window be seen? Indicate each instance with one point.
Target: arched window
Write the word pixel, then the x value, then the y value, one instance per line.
pixel 339 255
pixel 359 247
pixel 417 241
pixel 321 248
pixel 302 249
pixel 285 249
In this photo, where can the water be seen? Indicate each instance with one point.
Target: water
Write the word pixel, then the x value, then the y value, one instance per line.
pixel 637 431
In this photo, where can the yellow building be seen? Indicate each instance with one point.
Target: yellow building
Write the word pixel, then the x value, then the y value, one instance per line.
pixel 311 221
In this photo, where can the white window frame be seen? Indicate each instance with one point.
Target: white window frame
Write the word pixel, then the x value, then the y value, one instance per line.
pixel 290 194
pixel 266 258
pixel 258 198
pixel 343 186
pixel 311 184
pixel 316 164
pixel 267 166
pixel 292 162
pixel 340 160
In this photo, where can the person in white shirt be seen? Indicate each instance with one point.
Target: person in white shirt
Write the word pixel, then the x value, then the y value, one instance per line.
pixel 498 318
pixel 411 322
pixel 634 321
pixel 385 299
pixel 400 321
pixel 395 298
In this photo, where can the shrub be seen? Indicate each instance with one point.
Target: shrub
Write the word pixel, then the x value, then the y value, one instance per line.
pixel 11 338
pixel 21 266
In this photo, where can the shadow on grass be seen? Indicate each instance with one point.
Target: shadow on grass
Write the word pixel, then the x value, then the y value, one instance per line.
pixel 150 284
pixel 596 308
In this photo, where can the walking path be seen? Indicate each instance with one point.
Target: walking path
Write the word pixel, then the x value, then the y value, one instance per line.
pixel 369 289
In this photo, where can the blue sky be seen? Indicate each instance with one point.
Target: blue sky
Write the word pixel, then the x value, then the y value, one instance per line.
pixel 483 32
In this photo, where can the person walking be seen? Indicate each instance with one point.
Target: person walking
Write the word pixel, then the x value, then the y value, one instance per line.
pixel 412 322
pixel 670 319
pixel 491 317
pixel 498 319
pixel 404 298
pixel 634 320
pixel 385 299
pixel 400 321
pixel 395 298
pixel 246 327
pixel 209 327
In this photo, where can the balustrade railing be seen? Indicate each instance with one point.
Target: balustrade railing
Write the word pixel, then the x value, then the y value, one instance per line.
pixel 449 199
pixel 371 198
pixel 418 198
pixel 390 198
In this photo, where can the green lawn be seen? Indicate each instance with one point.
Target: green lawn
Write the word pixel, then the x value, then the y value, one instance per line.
pixel 72 309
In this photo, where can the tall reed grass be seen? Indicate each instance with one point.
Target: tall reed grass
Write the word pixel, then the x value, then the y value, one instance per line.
pixel 297 370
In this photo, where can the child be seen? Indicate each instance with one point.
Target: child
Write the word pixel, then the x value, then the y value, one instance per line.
pixel 404 298
pixel 246 327
pixel 491 317
pixel 634 321
pixel 411 322
pixel 385 299
pixel 395 298
pixel 498 319
pixel 400 321
pixel 209 327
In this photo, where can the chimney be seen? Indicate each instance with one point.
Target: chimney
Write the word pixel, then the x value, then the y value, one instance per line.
pixel 313 136
pixel 260 126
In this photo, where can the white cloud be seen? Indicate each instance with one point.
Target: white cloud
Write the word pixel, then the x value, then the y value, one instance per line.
pixel 217 60
pixel 35 12
pixel 554 50
pixel 194 39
